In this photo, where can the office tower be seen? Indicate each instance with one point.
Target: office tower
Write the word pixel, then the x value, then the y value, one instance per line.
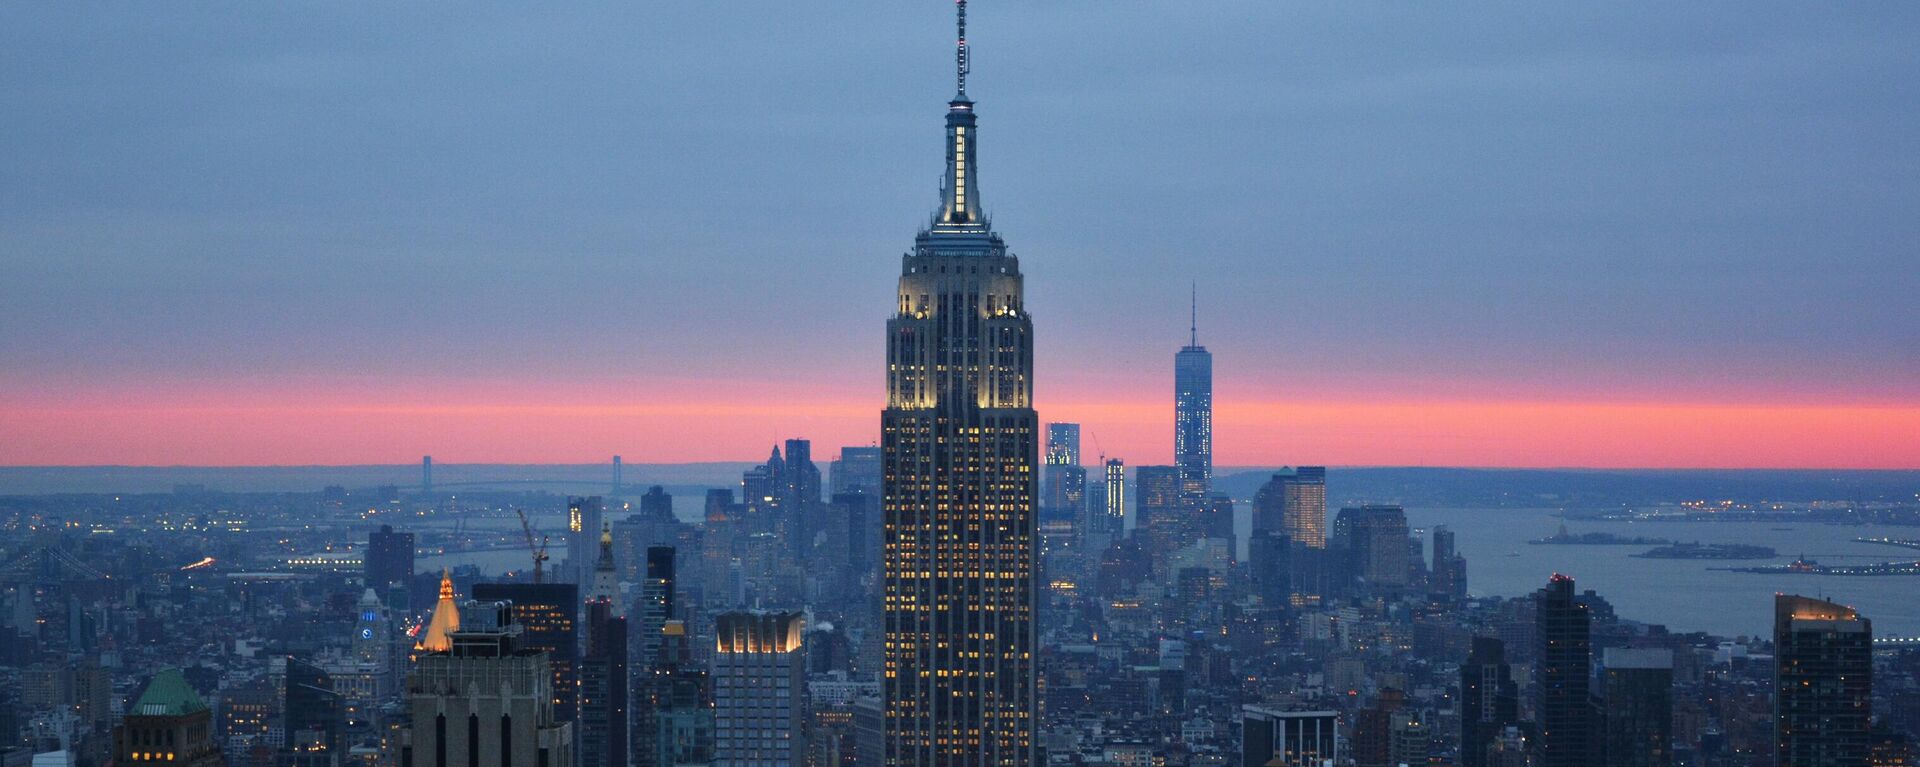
pixel 438 636
pixel 1275 738
pixel 1823 683
pixel 802 477
pixel 389 557
pixel 1064 481
pixel 1063 444
pixel 656 603
pixel 655 663
pixel 603 688
pixel 1638 689
pixel 759 689
pixel 1193 413
pixel 1157 500
pixel 1114 521
pixel 1294 501
pixel 862 514
pixel 426 475
pixel 167 723
pixel 548 616
pixel 1270 568
pixel 656 506
pixel 857 470
pixel 1489 699
pixel 1449 568
pixel 1409 740
pixel 677 723
pixel 961 448
pixel 618 480
pixel 311 714
pixel 1375 539
pixel 585 516
pixel 760 486
pixel 1563 663
pixel 487 701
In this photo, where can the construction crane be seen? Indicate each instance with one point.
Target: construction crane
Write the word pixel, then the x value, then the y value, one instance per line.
pixel 539 549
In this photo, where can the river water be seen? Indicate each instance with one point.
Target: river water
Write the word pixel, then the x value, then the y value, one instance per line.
pixel 1683 594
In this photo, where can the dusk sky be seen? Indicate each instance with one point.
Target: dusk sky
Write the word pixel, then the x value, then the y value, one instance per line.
pixel 1608 235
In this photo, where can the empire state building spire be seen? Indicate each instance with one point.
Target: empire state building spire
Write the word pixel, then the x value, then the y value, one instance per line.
pixel 960 195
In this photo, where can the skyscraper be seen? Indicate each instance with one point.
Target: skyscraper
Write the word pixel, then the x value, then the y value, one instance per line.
pixel 656 603
pixel 1115 506
pixel 548 616
pixel 1064 486
pixel 1489 699
pixel 1375 537
pixel 604 697
pixel 961 446
pixel 606 578
pixel 1563 663
pixel 759 689
pixel 1063 444
pixel 1193 414
pixel 1823 683
pixel 1157 505
pixel 584 518
pixel 389 557
pixel 487 701
pixel 1638 686
pixel 1294 501
pixel 857 470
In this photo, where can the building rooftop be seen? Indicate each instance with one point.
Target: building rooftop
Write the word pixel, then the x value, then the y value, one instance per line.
pixel 168 695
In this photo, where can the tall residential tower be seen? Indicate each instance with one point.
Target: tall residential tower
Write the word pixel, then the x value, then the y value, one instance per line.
pixel 961 449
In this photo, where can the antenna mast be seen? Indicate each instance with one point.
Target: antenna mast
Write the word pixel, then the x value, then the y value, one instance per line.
pixel 960 53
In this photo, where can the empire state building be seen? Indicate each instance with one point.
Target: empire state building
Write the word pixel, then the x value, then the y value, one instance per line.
pixel 960 445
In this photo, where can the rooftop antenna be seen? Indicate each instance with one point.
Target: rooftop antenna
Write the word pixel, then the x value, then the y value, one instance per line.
pixel 1193 319
pixel 960 53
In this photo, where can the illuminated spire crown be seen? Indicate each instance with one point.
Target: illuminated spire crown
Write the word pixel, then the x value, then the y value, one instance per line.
pixel 446 619
pixel 960 208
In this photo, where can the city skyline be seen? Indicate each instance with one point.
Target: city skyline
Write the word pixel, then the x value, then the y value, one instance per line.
pixel 1535 250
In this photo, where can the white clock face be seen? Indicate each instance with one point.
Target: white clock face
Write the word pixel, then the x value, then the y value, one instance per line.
pixel 366 633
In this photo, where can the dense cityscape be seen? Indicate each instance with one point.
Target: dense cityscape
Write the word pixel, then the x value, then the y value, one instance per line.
pixel 974 586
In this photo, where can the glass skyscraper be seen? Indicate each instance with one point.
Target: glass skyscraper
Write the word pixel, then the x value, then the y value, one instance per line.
pixel 1823 694
pixel 1193 417
pixel 961 447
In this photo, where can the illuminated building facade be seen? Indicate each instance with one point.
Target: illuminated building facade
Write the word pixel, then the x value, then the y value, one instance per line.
pixel 1065 481
pixel 1193 416
pixel 1115 520
pixel 1294 502
pixel 960 440
pixel 548 615
pixel 1063 444
pixel 759 689
pixel 1823 683
pixel 584 519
